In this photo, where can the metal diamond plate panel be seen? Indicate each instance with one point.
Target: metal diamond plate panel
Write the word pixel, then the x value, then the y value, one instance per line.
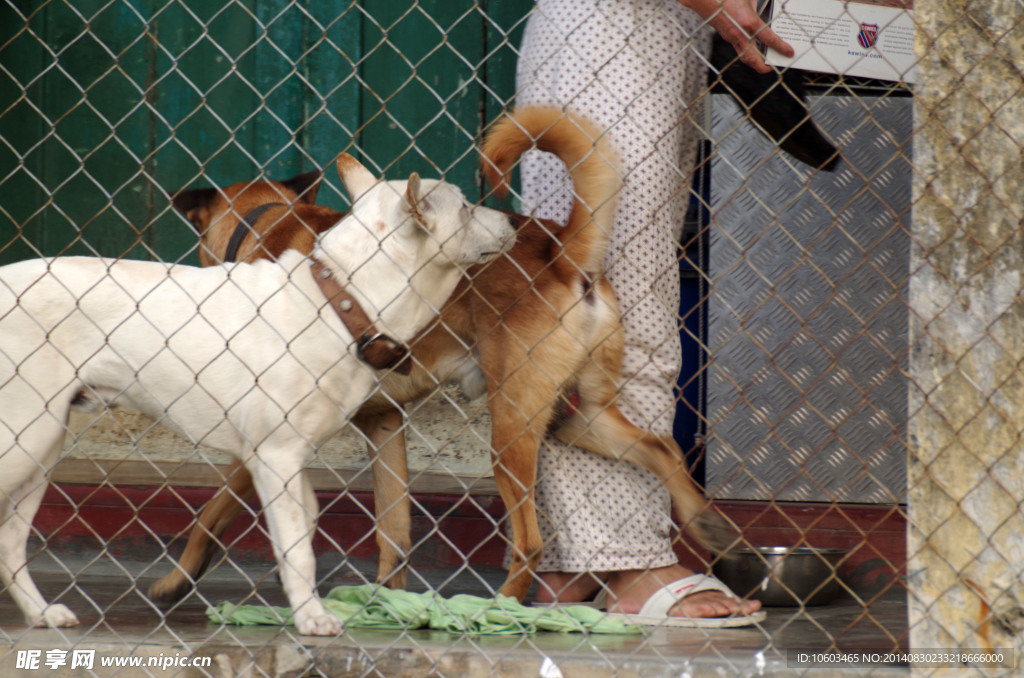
pixel 807 315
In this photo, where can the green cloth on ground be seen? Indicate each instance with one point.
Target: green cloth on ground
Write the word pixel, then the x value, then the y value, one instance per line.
pixel 375 607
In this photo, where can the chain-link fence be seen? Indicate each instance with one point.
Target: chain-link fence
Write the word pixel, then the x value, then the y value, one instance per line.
pixel 834 248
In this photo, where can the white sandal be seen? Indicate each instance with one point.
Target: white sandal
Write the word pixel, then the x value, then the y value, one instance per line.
pixel 655 610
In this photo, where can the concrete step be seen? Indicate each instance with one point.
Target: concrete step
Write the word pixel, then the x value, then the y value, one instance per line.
pixel 119 624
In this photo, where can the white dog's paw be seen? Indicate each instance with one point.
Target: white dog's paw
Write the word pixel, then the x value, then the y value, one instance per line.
pixel 322 624
pixel 57 616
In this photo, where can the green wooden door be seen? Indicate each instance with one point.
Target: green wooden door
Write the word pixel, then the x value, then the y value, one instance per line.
pixel 108 108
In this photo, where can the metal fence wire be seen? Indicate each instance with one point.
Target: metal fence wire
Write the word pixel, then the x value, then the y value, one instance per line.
pixel 842 272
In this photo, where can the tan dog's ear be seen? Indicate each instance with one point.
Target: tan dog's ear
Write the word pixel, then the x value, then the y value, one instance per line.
pixel 414 201
pixel 305 186
pixel 194 204
pixel 357 179
pixel 186 201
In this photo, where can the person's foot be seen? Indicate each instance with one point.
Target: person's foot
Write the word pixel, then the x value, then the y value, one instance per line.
pixel 568 587
pixel 630 589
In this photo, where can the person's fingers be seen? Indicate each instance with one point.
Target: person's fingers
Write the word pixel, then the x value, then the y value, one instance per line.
pixel 738 22
pixel 747 49
pixel 772 40
pixel 753 56
pixel 750 55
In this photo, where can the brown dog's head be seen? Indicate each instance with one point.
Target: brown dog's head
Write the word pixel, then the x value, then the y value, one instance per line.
pixel 215 213
pixel 203 206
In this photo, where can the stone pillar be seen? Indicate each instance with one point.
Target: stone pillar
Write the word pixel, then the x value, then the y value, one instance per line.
pixel 966 428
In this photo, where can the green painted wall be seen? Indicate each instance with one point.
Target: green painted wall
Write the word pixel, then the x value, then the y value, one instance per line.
pixel 108 108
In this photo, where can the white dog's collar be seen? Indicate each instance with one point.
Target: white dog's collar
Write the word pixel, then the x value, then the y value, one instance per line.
pixel 372 346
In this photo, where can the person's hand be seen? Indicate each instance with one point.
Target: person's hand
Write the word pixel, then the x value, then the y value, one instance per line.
pixel 739 24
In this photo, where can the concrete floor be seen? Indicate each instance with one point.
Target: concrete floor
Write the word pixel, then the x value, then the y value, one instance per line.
pixel 117 620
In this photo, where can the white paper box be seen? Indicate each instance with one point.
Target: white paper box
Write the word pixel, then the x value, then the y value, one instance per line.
pixel 861 39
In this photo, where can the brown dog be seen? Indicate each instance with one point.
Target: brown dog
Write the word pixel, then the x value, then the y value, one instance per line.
pixel 543 325
pixel 259 219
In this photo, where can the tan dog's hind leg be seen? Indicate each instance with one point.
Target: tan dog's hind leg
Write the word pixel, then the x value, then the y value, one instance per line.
pixel 604 430
pixel 600 427
pixel 205 538
pixel 520 412
pixel 392 505
pixel 515 470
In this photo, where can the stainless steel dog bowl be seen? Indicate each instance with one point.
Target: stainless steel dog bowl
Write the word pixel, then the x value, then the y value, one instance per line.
pixel 781 576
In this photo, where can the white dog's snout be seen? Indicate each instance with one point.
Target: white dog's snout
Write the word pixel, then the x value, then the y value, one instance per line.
pixel 501 226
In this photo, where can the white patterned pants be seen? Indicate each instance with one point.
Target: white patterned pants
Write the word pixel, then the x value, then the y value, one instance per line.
pixel 634 67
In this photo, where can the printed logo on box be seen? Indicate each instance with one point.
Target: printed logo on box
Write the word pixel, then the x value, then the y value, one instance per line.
pixel 867 35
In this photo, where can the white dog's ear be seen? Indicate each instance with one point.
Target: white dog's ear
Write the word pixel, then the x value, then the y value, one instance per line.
pixel 415 202
pixel 357 179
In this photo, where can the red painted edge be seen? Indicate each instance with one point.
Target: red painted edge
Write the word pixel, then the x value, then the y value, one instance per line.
pixel 448 529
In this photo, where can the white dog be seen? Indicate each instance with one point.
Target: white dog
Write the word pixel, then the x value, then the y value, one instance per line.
pixel 247 358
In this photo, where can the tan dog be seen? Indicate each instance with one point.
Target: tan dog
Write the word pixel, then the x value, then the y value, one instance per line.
pixel 542 324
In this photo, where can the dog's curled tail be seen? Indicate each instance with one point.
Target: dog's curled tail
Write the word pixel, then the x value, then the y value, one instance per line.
pixel 592 163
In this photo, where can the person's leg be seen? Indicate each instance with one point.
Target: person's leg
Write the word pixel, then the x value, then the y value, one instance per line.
pixel 634 68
